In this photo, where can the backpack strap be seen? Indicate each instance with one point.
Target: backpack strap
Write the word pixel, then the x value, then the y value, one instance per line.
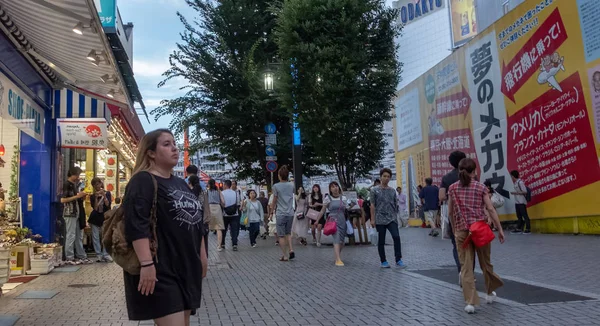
pixel 153 220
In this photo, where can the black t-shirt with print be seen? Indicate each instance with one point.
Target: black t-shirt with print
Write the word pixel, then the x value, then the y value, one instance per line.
pixel 179 231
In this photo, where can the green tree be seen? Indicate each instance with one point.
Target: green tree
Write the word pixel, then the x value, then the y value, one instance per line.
pixel 341 73
pixel 222 55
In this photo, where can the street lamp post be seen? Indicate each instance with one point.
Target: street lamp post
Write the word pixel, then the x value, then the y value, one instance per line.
pixel 296 140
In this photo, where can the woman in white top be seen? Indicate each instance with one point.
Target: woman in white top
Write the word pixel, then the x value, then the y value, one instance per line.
pixel 254 211
pixel 300 224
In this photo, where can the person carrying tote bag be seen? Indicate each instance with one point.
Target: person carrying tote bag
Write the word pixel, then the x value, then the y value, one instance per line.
pixel 468 197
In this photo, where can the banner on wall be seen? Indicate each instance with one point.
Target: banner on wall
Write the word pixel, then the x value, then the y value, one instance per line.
pixel 522 95
pixel 463 21
pixel 88 133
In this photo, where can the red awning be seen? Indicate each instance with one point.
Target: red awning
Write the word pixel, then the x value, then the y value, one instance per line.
pixel 131 120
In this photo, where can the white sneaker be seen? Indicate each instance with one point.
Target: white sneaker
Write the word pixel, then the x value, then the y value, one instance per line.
pixel 318 244
pixel 459 280
pixel 219 248
pixel 489 298
pixel 108 259
pixel 470 309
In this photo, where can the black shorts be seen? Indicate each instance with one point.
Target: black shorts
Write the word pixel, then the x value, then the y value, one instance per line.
pixel 320 221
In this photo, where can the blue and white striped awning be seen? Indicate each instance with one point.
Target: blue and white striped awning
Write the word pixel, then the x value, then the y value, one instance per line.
pixel 70 104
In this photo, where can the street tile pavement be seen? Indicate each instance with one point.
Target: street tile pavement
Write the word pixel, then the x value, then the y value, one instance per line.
pixel 251 287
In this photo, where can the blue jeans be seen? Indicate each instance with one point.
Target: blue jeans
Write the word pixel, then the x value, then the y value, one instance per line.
pixel 97 240
pixel 454 251
pixel 74 239
pixel 381 230
pixel 254 230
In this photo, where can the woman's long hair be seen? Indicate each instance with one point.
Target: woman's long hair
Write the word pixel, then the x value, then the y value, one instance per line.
pixel 319 197
pixel 212 184
pixel 303 193
pixel 465 168
pixel 194 181
pixel 143 162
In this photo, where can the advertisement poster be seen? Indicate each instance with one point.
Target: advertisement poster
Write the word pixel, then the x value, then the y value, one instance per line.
pixel 88 133
pixel 523 95
pixel 463 21
pixel 408 119
pixel 112 170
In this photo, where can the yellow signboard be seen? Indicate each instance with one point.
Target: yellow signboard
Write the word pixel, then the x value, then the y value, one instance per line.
pixel 463 20
pixel 522 95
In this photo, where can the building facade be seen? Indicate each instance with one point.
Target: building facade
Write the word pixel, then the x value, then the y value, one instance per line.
pixel 63 105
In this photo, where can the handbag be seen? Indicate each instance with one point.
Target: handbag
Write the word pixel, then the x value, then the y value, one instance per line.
pixel 330 227
pixel 313 214
pixel 115 242
pixel 480 232
pixel 302 215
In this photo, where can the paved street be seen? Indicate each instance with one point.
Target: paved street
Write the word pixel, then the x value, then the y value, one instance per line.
pixel 251 287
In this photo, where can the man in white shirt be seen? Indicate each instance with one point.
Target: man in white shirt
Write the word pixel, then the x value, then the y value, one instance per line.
pixel 231 214
pixel 520 203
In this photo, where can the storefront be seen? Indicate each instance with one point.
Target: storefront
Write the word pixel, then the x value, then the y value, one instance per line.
pixel 94 140
pixel 26 142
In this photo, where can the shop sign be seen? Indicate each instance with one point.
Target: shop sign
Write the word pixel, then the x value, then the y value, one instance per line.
pixel 110 180
pixel 90 133
pixel 412 10
pixel 21 110
pixel 107 11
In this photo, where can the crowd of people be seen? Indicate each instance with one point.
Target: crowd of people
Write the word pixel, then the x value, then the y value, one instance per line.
pixel 167 225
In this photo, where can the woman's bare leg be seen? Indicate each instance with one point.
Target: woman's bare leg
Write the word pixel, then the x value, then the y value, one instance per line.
pixel 176 319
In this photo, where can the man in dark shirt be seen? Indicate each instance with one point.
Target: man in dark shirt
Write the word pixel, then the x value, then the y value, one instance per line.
pixel 431 197
pixel 449 179
pixel 72 210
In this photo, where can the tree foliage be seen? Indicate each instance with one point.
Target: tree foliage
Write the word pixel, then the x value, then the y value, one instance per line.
pixel 340 71
pixel 222 55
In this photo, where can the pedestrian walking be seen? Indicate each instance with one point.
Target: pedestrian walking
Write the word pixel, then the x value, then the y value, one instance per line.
pixel 447 180
pixel 384 209
pixel 468 199
pixel 264 201
pixel 283 209
pixel 216 202
pixel 196 187
pixel 71 213
pixel 316 203
pixel 337 206
pixel 254 211
pixel 431 196
pixel 100 201
pixel 402 208
pixel 519 194
pixel 231 214
pixel 300 224
pixel 169 285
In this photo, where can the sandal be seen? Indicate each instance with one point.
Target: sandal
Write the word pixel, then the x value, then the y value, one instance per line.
pixel 283 258
pixel 292 255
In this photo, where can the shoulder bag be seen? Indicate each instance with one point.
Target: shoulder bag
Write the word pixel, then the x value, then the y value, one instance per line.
pixel 114 239
pixel 480 232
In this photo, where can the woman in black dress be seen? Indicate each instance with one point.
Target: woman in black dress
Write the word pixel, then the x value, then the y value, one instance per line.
pixel 169 286
pixel 316 202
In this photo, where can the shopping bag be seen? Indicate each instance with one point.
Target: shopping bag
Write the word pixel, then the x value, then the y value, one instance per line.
pixel 446 232
pixel 349 228
pixel 373 236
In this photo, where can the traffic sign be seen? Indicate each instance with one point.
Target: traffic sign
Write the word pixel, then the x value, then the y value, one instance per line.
pixel 271 158
pixel 270 128
pixel 270 151
pixel 271 166
pixel 271 139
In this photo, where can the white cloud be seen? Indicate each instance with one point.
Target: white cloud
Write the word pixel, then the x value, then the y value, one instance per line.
pixel 145 68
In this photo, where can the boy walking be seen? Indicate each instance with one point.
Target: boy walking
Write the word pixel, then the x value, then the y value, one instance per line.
pixel 384 210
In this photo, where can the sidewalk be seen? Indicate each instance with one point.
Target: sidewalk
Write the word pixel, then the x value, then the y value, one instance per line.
pixel 251 287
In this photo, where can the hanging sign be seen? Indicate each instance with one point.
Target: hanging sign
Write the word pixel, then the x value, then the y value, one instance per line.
pixel 89 133
pixel 110 180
